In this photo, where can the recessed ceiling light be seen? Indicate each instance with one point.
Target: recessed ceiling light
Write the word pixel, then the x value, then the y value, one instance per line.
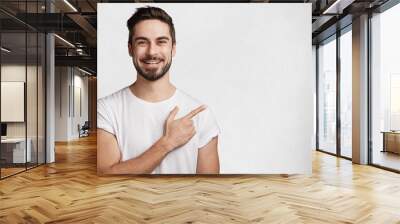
pixel 5 50
pixel 84 71
pixel 338 6
pixel 64 40
pixel 70 5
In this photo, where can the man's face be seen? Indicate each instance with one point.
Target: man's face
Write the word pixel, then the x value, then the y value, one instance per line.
pixel 152 49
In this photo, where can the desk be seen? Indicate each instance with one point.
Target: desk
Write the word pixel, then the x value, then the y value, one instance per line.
pixel 391 141
pixel 13 150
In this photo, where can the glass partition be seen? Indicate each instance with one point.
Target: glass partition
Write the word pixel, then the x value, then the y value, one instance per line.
pixel 13 110
pixel 327 96
pixel 385 89
pixel 31 100
pixel 32 85
pixel 41 109
pixel 346 93
pixel 22 67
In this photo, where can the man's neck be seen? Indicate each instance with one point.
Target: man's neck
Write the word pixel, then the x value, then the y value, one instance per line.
pixel 153 91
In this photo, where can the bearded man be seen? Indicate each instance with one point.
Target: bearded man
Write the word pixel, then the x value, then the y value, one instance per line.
pixel 151 126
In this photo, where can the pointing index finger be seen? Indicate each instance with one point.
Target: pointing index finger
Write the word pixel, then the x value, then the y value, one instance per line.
pixel 195 112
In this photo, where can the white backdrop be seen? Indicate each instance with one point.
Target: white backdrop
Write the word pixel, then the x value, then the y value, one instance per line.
pixel 250 63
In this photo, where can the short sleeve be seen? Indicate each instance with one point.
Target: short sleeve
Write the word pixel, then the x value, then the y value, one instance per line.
pixel 104 118
pixel 207 127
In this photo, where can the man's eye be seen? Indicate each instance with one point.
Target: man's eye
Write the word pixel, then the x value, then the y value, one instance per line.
pixel 162 41
pixel 140 42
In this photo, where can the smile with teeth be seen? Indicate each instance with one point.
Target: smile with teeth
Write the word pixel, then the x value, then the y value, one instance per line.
pixel 152 61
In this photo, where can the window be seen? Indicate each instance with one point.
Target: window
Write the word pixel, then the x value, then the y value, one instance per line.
pixel 385 88
pixel 346 93
pixel 327 96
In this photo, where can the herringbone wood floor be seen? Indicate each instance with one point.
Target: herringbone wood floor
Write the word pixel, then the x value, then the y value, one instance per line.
pixel 69 191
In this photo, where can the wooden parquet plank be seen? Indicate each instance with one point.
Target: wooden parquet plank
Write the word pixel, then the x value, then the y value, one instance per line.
pixel 69 191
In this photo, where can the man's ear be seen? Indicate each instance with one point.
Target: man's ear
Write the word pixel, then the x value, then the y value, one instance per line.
pixel 130 49
pixel 173 50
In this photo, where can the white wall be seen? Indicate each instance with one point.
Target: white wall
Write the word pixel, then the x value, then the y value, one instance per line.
pixel 67 80
pixel 16 72
pixel 61 103
pixel 34 125
pixel 250 63
pixel 80 83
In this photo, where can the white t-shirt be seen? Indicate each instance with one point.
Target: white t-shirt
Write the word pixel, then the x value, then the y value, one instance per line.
pixel 137 124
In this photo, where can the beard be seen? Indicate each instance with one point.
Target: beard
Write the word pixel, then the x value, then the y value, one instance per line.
pixel 152 74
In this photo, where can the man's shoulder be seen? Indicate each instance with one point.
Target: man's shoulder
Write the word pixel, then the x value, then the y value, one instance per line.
pixel 190 103
pixel 189 99
pixel 114 97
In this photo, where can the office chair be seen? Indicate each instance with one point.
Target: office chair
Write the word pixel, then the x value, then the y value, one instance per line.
pixel 84 130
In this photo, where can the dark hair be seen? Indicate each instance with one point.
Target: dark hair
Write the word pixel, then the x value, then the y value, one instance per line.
pixel 145 13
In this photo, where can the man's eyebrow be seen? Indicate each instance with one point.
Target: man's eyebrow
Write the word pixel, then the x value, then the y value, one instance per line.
pixel 140 38
pixel 146 39
pixel 163 38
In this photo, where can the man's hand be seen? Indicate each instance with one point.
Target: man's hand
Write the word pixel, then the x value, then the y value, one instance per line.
pixel 179 132
pixel 176 133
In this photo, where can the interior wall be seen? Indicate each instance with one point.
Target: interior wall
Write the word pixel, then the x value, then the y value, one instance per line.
pixel 80 109
pixel 61 103
pixel 71 87
pixel 16 72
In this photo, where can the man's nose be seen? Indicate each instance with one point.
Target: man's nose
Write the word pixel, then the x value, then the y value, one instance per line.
pixel 152 49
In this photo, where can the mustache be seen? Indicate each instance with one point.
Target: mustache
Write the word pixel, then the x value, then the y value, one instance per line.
pixel 152 58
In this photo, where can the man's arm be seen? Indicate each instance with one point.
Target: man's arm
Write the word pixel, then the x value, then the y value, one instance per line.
pixel 207 159
pixel 176 133
pixel 109 156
